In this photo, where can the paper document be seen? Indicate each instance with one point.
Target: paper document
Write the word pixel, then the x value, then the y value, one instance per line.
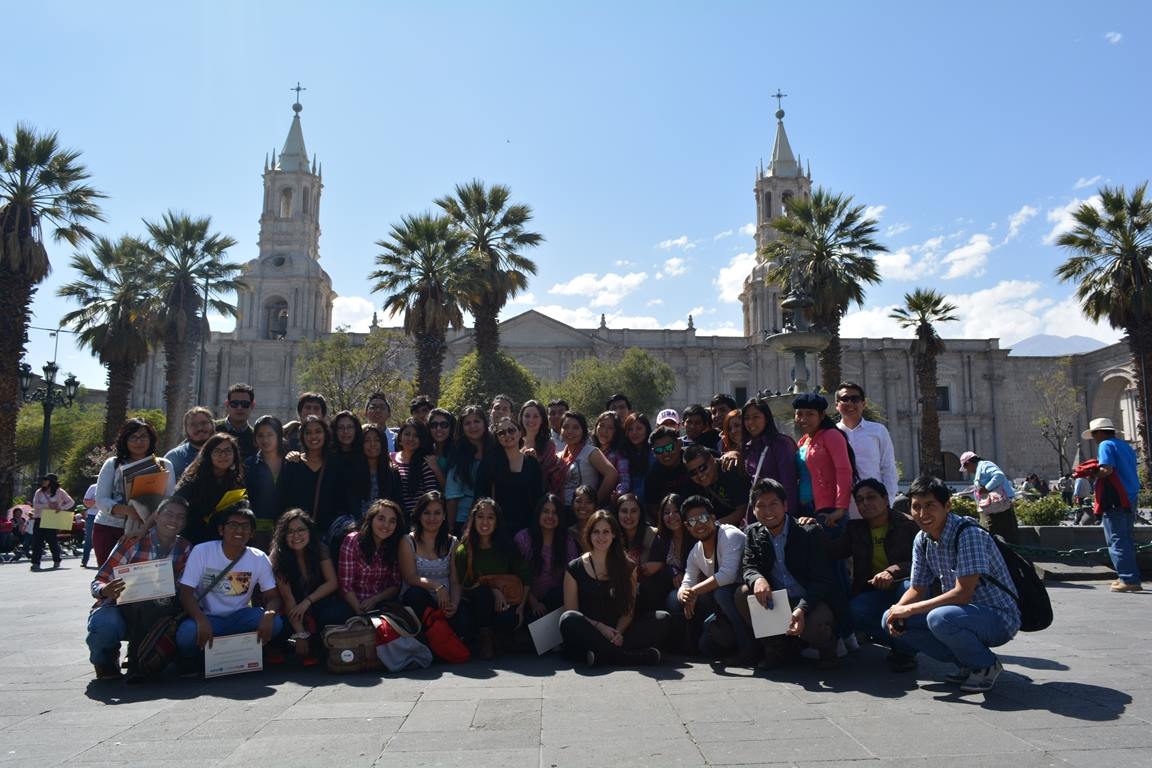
pixel 56 519
pixel 545 632
pixel 769 622
pixel 233 654
pixel 149 580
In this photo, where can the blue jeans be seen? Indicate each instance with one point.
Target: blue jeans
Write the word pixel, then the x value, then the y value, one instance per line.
pixel 960 634
pixel 868 609
pixel 722 602
pixel 1117 524
pixel 106 630
pixel 89 523
pixel 235 623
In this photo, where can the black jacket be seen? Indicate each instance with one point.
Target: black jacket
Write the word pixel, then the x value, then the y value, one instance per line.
pixel 857 543
pixel 805 557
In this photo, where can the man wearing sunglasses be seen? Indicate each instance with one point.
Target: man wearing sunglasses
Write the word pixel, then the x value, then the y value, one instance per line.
pixel 870 442
pixel 727 489
pixel 238 405
pixel 666 474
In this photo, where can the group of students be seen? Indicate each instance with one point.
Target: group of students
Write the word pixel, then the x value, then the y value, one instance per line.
pixel 650 540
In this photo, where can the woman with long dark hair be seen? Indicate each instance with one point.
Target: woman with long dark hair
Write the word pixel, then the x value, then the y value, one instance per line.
pixel 538 444
pixel 490 566
pixel 767 452
pixel 582 507
pixel 217 470
pixel 442 428
pixel 315 483
pixel 306 580
pixel 262 473
pixel 369 568
pixel 517 483
pixel 371 474
pixel 469 467
pixel 427 564
pixel 48 496
pixel 668 555
pixel 348 434
pixel 600 624
pixel 416 478
pixel 586 464
pixel 135 442
pixel 547 546
pixel 608 436
pixel 635 448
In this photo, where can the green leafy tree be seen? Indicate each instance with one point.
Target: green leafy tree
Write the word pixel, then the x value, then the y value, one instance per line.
pixel 476 381
pixel 1057 403
pixel 923 309
pixel 645 380
pixel 1111 265
pixel 42 186
pixel 495 235
pixel 187 266
pixel 424 274
pixel 115 316
pixel 832 238
pixel 348 367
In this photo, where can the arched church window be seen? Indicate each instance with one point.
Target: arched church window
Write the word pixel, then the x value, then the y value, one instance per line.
pixel 275 318
pixel 769 214
pixel 306 203
pixel 784 198
pixel 286 203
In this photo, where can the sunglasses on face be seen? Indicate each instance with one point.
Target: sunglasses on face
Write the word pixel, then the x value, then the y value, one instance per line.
pixel 698 520
pixel 437 425
pixel 510 431
pixel 698 471
pixel 850 399
pixel 663 449
pixel 240 403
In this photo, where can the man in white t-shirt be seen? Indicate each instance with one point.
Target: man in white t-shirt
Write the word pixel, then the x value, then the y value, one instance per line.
pixel 871 443
pixel 222 606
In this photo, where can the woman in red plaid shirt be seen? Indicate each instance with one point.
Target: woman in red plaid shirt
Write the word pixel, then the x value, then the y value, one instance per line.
pixel 369 565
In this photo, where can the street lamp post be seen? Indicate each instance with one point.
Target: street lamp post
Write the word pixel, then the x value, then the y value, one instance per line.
pixel 49 396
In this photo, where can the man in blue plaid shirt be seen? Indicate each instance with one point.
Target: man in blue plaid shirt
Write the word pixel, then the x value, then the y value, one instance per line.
pixel 970 614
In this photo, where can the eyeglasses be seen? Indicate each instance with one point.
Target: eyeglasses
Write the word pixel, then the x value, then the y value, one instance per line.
pixel 505 432
pixel 236 526
pixel 139 437
pixel 376 407
pixel 297 531
pixel 346 428
pixel 240 403
pixel 664 449
pixel 699 470
pixel 698 519
pixel 850 399
pixel 437 425
pixel 222 451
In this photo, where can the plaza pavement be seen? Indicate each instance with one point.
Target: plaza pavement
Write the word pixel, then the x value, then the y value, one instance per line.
pixel 1078 694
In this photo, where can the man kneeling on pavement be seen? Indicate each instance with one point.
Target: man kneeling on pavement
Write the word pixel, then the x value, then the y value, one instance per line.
pixel 969 615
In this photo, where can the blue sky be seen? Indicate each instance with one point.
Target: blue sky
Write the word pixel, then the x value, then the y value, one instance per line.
pixel 632 129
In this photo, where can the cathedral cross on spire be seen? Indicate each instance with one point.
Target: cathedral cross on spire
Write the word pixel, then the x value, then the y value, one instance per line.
pixel 297 89
pixel 778 96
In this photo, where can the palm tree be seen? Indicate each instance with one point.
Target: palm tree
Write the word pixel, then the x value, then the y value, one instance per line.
pixel 494 235
pixel 423 271
pixel 188 266
pixel 115 316
pixel 832 239
pixel 1112 266
pixel 922 310
pixel 41 185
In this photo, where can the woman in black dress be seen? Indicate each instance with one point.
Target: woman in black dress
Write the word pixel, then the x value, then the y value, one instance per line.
pixel 517 482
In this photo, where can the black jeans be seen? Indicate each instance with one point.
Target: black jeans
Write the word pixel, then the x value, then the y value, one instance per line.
pixel 483 614
pixel 39 537
pixel 647 630
pixel 420 600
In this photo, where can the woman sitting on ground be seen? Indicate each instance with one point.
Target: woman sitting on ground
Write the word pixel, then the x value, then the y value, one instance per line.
pixel 547 546
pixel 492 574
pixel 306 580
pixel 599 623
pixel 583 505
pixel 218 470
pixel 427 564
pixel 369 566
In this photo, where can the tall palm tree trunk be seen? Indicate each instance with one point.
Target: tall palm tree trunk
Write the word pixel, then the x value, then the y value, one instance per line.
pixel 487 329
pixel 15 300
pixel 830 357
pixel 430 351
pixel 1140 344
pixel 930 460
pixel 175 387
pixel 120 379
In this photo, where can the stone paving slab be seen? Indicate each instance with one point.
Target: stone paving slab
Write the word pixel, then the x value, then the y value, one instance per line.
pixel 1077 694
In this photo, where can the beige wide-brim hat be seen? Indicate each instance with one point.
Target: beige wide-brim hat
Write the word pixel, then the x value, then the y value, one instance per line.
pixel 1095 425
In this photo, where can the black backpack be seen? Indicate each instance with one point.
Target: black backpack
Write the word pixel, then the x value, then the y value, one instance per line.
pixel 1030 595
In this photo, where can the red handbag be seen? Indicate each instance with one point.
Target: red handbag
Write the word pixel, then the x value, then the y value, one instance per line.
pixel 442 639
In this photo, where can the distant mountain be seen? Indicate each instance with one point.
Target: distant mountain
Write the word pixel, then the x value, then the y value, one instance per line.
pixel 1045 345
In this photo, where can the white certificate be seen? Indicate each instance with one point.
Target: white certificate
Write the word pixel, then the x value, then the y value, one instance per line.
pixel 149 580
pixel 233 654
pixel 768 622
pixel 545 632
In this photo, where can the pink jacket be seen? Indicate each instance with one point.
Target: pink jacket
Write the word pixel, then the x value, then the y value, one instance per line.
pixel 830 468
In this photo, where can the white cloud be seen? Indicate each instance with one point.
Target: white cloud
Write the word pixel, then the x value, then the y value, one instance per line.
pixel 653 302
pixel 586 317
pixel 1066 319
pixel 622 263
pixel 524 298
pixel 730 281
pixel 912 262
pixel 874 211
pixel 606 291
pixel 897 229
pixel 1083 182
pixel 723 329
pixel 872 323
pixel 221 324
pixel 354 312
pixel 748 229
pixel 969 259
pixel 1062 220
pixel 681 242
pixel 673 267
pixel 724 234
pixel 1113 38
pixel 1017 220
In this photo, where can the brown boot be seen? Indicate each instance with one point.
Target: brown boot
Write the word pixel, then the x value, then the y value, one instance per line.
pixel 107 673
pixel 486 644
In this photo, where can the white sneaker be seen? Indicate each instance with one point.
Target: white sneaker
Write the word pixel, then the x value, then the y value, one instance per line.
pixel 982 680
pixel 812 653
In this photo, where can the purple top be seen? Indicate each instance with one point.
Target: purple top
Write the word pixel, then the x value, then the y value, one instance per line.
pixel 779 464
pixel 552 574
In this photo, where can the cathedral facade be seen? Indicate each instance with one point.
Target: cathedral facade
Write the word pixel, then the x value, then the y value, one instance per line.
pixel 986 398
